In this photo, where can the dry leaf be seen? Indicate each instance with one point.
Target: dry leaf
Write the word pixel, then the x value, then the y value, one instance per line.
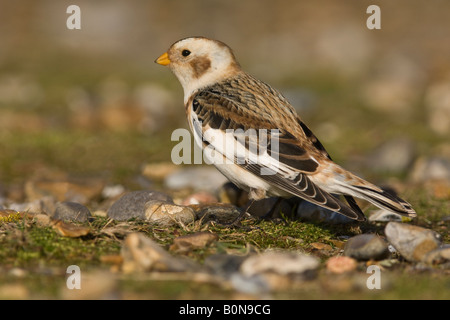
pixel 193 241
pixel 321 246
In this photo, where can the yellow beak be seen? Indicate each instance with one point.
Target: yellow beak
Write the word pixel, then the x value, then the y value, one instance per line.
pixel 163 59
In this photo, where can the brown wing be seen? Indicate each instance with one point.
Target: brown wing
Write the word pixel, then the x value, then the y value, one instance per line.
pixel 223 107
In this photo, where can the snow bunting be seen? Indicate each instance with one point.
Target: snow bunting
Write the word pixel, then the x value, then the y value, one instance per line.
pixel 222 101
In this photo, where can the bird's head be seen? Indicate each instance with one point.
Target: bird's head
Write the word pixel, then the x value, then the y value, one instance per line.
pixel 198 62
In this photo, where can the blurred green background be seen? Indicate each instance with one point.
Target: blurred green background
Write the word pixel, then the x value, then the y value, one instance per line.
pixel 93 102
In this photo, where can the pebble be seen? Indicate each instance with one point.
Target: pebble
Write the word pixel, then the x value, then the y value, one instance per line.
pixel 280 262
pixel 435 168
pixel 63 188
pixel 140 253
pixel 366 247
pixel 385 216
pixel 219 212
pixel 437 103
pixel 341 264
pixel 255 284
pixel 224 264
pixel 70 230
pixel 46 205
pixel 412 242
pixel 438 256
pixel 396 155
pixel 71 211
pixel 113 191
pixel 166 214
pixel 201 197
pixel 159 171
pixel 197 178
pixel 274 271
pixel 132 204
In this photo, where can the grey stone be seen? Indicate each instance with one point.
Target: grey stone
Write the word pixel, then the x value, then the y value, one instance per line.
pixel 279 262
pixel 224 264
pixel 412 242
pixel 394 156
pixel 132 204
pixel 366 247
pixel 436 168
pixel 141 253
pixel 255 284
pixel 198 178
pixel 71 211
pixel 437 103
pixel 222 213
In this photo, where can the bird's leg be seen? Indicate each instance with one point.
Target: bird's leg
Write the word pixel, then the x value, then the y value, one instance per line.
pixel 270 213
pixel 236 220
pixel 253 195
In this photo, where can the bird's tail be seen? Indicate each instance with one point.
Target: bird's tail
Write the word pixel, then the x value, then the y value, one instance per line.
pixel 350 184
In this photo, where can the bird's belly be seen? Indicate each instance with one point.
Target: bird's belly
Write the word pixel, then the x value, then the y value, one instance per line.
pixel 246 180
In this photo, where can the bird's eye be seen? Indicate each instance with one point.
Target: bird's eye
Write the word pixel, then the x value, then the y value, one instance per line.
pixel 185 53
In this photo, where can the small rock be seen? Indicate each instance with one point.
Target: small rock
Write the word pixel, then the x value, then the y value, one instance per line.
pixel 366 247
pixel 46 205
pixel 321 246
pixel 201 197
pixel 385 216
pixel 140 253
pixel 219 212
pixel 193 241
pixel 341 264
pixel 280 262
pixel 18 272
pixel 394 156
pixel 62 188
pixel 42 220
pixel 167 214
pixel 132 204
pixel 71 211
pixel 197 178
pixel 439 189
pixel 437 102
pixel 255 284
pixel 70 230
pixel 100 213
pixel 436 168
pixel 224 264
pixel 412 242
pixel 113 191
pixel 159 171
pixel 438 256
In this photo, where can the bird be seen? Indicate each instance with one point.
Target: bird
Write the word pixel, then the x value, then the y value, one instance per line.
pixel 281 157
